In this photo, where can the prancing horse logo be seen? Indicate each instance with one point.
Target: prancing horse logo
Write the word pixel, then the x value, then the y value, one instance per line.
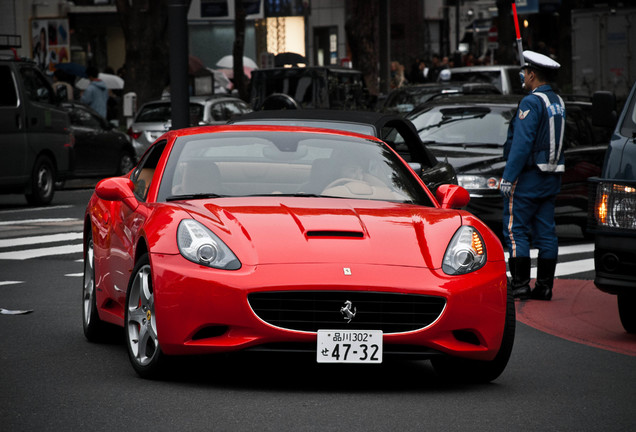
pixel 348 311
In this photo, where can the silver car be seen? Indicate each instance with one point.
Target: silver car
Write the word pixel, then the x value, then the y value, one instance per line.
pixel 155 118
pixel 504 77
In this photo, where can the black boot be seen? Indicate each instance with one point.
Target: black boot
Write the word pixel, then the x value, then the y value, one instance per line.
pixel 545 279
pixel 520 281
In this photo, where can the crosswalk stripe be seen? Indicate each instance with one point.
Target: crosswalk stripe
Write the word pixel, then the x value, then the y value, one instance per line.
pixel 36 253
pixel 563 250
pixel 37 221
pixel 24 241
pixel 10 282
pixel 573 267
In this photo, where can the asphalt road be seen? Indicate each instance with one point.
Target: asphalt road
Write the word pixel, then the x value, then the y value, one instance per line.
pixel 52 379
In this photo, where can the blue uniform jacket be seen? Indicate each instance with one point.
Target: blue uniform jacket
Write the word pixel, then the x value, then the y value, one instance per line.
pixel 533 141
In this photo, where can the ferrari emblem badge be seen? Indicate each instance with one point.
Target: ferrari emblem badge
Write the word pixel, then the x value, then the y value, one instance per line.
pixel 348 311
pixel 347 271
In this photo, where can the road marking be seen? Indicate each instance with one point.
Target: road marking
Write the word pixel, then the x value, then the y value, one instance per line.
pixel 10 282
pixel 36 253
pixel 573 267
pixel 23 241
pixel 563 250
pixel 37 209
pixel 75 274
pixel 38 221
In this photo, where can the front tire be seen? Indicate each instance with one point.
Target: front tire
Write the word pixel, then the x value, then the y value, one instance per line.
pixel 478 371
pixel 140 323
pixel 94 328
pixel 42 182
pixel 627 311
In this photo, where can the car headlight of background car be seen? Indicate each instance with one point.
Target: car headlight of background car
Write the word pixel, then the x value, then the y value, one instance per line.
pixel 200 245
pixel 465 253
pixel 477 182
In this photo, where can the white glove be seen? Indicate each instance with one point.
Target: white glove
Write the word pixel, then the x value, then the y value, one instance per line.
pixel 505 187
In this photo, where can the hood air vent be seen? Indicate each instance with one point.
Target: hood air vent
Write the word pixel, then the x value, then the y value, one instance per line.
pixel 332 233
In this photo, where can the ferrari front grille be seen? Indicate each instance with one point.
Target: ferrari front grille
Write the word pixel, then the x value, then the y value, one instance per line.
pixel 360 310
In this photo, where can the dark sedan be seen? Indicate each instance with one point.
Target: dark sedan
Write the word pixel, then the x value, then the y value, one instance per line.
pixel 393 129
pixel 470 131
pixel 100 149
pixel 404 99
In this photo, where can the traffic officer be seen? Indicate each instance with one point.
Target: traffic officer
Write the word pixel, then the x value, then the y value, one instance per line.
pixel 532 178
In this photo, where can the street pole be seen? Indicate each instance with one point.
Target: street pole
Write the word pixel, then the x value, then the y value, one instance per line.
pixel 385 46
pixel 178 39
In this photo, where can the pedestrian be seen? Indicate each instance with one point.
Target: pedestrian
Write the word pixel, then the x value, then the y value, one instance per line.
pixel 96 94
pixel 532 178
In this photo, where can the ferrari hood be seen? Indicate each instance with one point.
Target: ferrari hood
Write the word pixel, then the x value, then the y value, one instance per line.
pixel 267 230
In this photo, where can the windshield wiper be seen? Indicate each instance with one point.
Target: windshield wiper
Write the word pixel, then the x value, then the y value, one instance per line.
pixel 194 196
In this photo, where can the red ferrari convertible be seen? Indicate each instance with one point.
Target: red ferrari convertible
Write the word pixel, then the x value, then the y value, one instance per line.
pixel 228 238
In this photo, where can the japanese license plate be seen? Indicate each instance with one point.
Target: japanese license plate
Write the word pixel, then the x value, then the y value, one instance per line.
pixel 349 346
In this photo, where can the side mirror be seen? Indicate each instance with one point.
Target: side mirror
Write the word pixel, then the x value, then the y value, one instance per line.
pixel 604 109
pixel 452 196
pixel 117 189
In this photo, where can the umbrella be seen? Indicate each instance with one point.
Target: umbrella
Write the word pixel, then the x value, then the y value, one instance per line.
pixel 289 58
pixel 112 82
pixel 72 68
pixel 227 62
pixel 221 81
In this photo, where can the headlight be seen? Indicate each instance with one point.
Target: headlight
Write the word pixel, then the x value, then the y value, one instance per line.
pixel 472 182
pixel 465 253
pixel 616 206
pixel 200 245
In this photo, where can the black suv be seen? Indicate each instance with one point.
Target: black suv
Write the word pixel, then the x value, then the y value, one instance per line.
pixel 34 133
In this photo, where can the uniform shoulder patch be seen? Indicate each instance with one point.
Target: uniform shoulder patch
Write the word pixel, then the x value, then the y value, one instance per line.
pixel 523 114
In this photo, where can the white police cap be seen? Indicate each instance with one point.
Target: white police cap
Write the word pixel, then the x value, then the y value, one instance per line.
pixel 539 61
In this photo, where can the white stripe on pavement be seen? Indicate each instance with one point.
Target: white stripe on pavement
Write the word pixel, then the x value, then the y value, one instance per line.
pixel 36 253
pixel 37 209
pixel 10 282
pixel 38 221
pixel 23 241
pixel 563 250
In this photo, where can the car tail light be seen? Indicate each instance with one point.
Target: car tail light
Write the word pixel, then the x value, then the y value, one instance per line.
pixel 133 134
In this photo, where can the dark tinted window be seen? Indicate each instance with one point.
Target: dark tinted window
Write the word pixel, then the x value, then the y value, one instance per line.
pixel 36 86
pixel 8 91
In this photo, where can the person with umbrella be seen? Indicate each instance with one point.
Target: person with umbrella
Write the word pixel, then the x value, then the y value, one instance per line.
pixel 96 94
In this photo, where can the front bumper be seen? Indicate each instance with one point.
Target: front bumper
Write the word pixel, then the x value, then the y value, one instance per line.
pixel 201 310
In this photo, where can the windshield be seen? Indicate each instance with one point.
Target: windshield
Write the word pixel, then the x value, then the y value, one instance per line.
pixel 363 129
pixel 460 125
pixel 162 112
pixel 233 164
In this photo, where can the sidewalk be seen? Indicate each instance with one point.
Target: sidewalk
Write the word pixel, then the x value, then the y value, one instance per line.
pixel 581 313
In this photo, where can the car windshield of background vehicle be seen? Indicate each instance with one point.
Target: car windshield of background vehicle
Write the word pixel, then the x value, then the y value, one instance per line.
pixel 463 125
pixel 287 164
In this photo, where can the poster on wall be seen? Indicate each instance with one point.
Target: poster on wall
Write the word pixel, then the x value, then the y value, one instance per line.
pixel 50 42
